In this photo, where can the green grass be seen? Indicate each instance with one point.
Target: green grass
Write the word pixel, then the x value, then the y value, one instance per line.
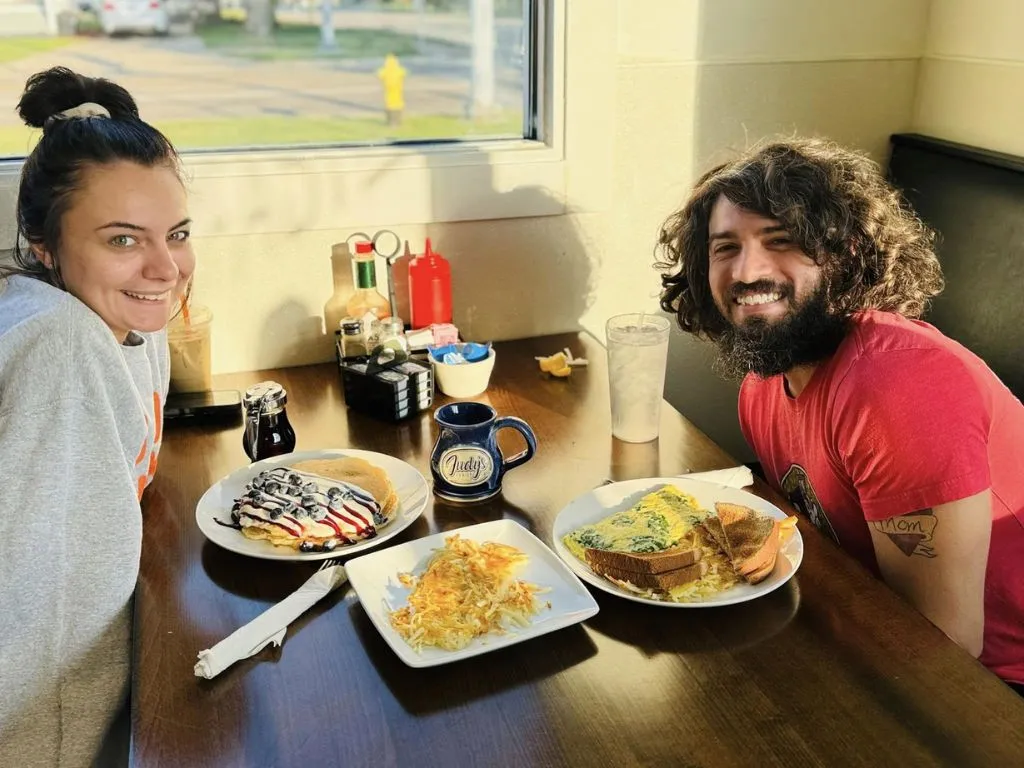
pixel 303 42
pixel 14 48
pixel 262 131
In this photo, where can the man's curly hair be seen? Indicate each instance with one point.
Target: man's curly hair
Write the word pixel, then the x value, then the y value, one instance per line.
pixel 837 207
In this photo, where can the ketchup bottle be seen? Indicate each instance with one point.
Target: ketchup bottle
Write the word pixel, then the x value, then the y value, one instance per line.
pixel 430 289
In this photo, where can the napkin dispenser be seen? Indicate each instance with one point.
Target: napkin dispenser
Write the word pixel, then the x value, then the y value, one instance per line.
pixel 389 390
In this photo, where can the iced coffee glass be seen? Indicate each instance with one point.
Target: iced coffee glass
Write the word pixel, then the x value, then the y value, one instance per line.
pixel 637 355
pixel 188 337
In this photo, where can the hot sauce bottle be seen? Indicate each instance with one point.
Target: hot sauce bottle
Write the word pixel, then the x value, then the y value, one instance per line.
pixel 367 299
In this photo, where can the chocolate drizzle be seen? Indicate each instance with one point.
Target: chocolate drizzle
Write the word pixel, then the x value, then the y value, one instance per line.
pixel 299 502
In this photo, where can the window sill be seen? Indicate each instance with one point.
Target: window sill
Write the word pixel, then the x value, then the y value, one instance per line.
pixel 332 188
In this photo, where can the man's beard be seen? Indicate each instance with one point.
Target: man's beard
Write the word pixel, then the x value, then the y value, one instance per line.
pixel 807 334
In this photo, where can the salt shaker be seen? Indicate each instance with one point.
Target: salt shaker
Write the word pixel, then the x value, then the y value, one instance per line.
pixel 267 429
pixel 353 340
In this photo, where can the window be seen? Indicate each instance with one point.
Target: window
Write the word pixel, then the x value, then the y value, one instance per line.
pixel 333 187
pixel 254 74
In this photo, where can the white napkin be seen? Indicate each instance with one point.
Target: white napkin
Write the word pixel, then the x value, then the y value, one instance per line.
pixel 270 626
pixel 733 477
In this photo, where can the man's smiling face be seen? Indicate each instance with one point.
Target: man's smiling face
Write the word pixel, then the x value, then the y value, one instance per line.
pixel 773 295
pixel 757 274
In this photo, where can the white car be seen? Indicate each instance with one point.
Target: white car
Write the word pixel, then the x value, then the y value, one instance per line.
pixel 118 16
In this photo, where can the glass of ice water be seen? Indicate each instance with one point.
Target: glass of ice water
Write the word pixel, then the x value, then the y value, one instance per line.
pixel 637 354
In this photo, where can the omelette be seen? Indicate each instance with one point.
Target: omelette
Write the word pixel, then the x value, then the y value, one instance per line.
pixel 658 521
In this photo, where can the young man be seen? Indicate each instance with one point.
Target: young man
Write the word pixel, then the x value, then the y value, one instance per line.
pixel 809 273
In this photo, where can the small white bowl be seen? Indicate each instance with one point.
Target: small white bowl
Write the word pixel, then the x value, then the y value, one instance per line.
pixel 464 380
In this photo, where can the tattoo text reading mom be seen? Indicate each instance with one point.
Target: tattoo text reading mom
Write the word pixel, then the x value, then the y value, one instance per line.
pixel 911 533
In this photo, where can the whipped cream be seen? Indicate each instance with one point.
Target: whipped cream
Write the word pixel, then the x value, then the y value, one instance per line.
pixel 307 506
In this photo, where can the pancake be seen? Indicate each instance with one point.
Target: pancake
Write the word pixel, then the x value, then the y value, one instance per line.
pixel 360 473
pixel 317 505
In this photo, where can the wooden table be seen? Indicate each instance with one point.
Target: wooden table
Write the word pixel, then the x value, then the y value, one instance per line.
pixel 832 669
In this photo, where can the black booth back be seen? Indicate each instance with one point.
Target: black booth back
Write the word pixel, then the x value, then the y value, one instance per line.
pixel 975 199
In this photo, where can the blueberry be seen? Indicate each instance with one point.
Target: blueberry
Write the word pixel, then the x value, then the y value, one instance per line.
pixel 294 479
pixel 319 513
pixel 275 513
pixel 309 487
pixel 309 501
pixel 307 546
pixel 272 486
pixel 330 544
pixel 334 493
pixel 235 517
pixel 255 496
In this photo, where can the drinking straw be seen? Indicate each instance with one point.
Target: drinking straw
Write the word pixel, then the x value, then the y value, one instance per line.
pixel 184 310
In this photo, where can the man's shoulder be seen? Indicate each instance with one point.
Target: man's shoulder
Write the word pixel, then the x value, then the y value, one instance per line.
pixel 884 347
pixel 882 339
pixel 874 332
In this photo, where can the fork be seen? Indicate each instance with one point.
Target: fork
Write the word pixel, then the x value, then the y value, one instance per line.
pixel 328 563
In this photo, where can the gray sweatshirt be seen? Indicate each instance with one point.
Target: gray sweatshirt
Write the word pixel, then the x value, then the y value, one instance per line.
pixel 80 428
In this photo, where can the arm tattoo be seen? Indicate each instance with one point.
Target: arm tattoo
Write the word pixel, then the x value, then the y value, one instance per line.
pixel 911 533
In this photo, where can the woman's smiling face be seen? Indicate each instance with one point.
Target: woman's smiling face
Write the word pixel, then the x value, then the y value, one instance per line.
pixel 124 245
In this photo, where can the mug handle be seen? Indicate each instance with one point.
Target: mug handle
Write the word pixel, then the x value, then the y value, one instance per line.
pixel 511 422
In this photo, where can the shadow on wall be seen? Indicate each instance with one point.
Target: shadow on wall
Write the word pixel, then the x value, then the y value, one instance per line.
pixel 511 278
pixel 516 277
pixel 701 395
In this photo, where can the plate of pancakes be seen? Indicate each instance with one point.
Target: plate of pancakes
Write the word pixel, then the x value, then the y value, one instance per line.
pixel 313 505
pixel 678 542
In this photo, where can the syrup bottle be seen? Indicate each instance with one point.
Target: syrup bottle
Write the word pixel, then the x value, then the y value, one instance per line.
pixel 430 289
pixel 367 299
pixel 268 432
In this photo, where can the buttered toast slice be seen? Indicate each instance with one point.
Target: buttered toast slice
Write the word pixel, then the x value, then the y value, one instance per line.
pixel 683 554
pixel 749 538
pixel 663 581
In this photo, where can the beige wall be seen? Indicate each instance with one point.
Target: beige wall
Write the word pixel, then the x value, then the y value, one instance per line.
pixel 655 90
pixel 845 70
pixel 972 76
pixel 675 84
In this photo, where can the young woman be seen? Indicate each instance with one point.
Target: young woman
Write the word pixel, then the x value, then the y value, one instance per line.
pixel 103 258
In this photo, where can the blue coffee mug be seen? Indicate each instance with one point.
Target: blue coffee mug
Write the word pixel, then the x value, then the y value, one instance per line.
pixel 466 462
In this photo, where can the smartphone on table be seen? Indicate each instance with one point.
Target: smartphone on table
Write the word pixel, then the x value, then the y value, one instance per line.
pixel 220 406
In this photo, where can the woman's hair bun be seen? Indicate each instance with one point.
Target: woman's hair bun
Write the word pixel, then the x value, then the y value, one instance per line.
pixel 51 92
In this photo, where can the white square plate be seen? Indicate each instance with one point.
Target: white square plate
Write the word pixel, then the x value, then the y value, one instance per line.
pixel 375 580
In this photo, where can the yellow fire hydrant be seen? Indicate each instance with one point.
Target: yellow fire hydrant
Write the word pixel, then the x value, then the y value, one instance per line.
pixel 392 75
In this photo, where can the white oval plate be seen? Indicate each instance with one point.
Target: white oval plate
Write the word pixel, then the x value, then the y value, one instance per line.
pixel 215 504
pixel 616 497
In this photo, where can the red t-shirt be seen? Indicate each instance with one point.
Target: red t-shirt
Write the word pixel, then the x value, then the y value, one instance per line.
pixel 900 419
